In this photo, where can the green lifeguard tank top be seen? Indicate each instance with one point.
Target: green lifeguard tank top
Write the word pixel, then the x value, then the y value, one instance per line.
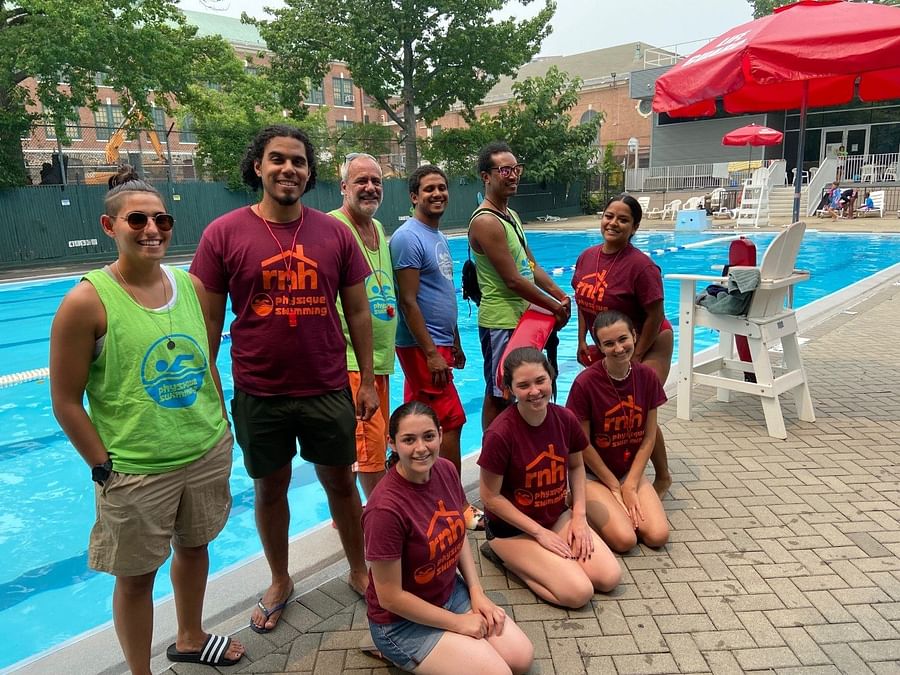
pixel 500 307
pixel 156 409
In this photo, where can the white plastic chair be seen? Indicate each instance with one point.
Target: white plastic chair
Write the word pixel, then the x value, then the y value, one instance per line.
pixel 671 209
pixel 878 202
pixel 693 204
pixel 890 173
pixel 867 173
pixel 645 203
pixel 767 321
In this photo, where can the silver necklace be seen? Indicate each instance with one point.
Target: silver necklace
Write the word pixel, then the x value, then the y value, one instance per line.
pixel 170 344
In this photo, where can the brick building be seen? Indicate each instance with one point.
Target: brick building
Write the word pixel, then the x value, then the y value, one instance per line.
pixel 605 77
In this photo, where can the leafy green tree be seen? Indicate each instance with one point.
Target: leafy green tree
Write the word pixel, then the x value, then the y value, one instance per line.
pixel 537 126
pixel 225 119
pixel 145 47
pixel 764 7
pixel 610 164
pixel 373 139
pixel 415 58
pixel 456 150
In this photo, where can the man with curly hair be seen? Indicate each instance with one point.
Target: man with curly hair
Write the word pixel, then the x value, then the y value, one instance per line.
pixel 284 265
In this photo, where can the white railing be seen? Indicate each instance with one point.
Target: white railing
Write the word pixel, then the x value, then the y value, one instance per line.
pixel 881 168
pixel 869 168
pixel 687 177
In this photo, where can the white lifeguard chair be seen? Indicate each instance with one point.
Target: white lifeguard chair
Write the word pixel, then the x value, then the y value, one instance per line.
pixel 769 320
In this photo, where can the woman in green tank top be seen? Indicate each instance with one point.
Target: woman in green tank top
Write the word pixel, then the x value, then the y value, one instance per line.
pixel 133 337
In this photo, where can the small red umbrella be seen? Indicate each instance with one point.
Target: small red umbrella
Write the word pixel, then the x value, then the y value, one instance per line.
pixel 811 53
pixel 752 135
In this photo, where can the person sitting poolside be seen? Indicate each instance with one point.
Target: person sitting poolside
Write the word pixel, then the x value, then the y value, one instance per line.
pixel 868 204
pixel 423 616
pixel 531 456
pixel 616 398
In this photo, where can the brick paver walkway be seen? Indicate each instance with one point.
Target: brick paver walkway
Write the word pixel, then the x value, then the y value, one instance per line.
pixel 784 555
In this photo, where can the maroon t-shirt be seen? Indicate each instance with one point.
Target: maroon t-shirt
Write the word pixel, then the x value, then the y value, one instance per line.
pixel 626 281
pixel 286 336
pixel 422 525
pixel 534 461
pixel 617 411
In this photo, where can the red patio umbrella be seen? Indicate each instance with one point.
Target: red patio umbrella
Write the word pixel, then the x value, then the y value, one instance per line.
pixel 811 53
pixel 752 135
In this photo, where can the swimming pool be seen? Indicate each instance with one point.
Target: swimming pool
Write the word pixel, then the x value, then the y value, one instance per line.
pixel 47 497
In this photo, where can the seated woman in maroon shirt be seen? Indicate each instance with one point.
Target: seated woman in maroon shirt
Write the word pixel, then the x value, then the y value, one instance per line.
pixel 616 275
pixel 423 616
pixel 615 399
pixel 530 457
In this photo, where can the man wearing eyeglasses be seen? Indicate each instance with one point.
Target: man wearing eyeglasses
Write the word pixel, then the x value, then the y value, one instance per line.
pixel 361 186
pixel 509 277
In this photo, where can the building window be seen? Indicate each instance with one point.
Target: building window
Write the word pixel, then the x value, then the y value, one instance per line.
pixel 344 124
pixel 253 71
pixel 107 119
pixel 159 120
pixel 316 95
pixel 73 130
pixel 187 130
pixel 435 130
pixel 343 91
pixel 100 79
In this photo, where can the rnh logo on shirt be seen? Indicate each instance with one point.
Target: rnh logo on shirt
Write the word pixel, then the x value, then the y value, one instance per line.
pixel 554 472
pixel 545 480
pixel 592 287
pixel 623 425
pixel 290 291
pixel 624 416
pixel 446 534
pixel 283 278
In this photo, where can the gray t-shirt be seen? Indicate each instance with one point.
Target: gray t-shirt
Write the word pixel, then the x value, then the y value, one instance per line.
pixel 415 245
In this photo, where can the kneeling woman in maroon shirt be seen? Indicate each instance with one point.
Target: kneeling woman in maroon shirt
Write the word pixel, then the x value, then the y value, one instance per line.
pixel 423 616
pixel 615 399
pixel 530 457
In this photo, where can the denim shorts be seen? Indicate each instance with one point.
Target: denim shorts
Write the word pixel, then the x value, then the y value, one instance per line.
pixel 407 644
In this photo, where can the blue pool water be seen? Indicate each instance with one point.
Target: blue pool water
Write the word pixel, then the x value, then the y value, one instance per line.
pixel 46 509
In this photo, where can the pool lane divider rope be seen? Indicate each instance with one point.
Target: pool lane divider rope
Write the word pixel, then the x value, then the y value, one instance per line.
pixel 38 374
pixel 559 271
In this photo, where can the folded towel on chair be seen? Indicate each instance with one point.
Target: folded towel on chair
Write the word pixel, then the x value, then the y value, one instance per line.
pixel 735 299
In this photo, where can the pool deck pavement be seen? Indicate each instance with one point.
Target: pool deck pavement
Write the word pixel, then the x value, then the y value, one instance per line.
pixel 784 555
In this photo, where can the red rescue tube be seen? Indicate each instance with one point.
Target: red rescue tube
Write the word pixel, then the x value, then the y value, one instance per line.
pixel 533 330
pixel 742 253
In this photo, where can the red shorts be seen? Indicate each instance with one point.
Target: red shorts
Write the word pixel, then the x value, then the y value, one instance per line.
pixel 418 386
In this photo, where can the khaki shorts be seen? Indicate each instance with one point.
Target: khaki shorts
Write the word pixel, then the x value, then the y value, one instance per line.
pixel 140 515
pixel 371 435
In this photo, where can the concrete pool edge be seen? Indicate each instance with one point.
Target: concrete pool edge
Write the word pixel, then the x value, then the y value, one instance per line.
pixel 317 555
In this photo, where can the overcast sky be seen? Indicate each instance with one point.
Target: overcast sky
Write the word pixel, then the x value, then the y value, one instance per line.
pixel 583 25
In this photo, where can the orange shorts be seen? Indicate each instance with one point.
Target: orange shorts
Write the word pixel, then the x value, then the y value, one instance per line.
pixel 418 386
pixel 371 436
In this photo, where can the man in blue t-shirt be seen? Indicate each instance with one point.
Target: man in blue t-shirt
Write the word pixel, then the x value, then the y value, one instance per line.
pixel 428 346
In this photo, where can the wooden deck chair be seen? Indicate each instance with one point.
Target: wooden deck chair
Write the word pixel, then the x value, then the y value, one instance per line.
pixel 767 322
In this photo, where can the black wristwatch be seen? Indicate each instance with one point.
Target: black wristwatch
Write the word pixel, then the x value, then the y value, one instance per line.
pixel 100 472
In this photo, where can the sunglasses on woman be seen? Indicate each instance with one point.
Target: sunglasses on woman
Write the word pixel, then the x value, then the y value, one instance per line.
pixel 137 220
